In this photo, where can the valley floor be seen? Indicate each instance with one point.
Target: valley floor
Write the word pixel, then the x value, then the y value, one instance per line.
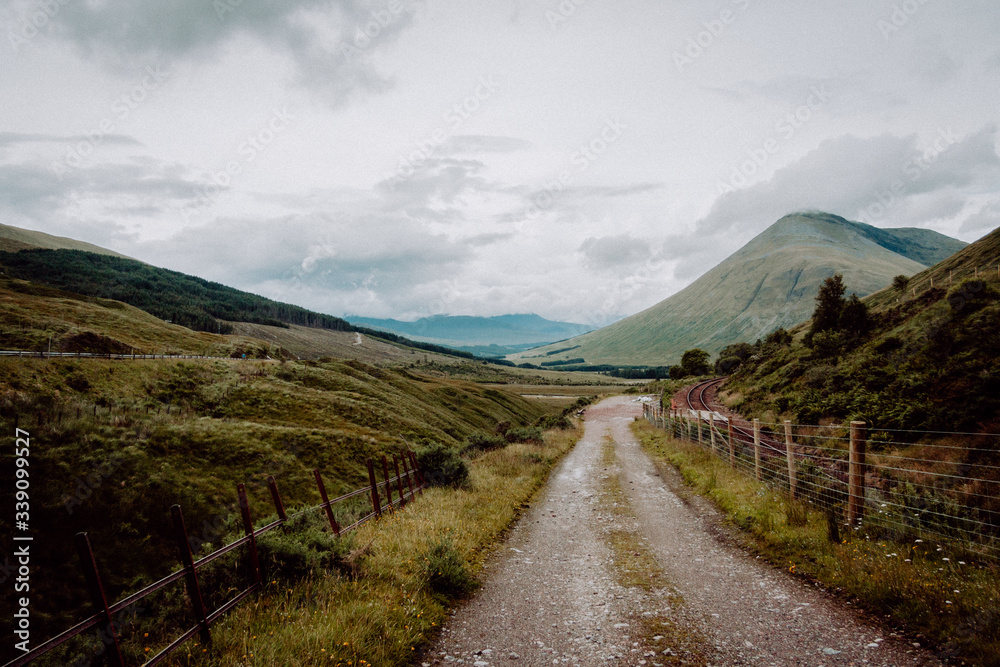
pixel 611 567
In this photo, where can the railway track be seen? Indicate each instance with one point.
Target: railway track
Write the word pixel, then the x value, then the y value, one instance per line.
pixel 701 397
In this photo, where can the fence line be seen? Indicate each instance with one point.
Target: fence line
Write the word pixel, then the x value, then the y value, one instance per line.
pixel 860 482
pixel 104 616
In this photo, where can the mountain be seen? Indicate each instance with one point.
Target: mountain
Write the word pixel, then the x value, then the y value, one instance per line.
pixel 14 239
pixel 929 363
pixel 464 332
pixel 768 283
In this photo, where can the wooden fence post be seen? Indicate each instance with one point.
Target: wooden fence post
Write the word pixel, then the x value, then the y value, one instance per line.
pixel 191 577
pixel 856 474
pixel 376 503
pixel 756 449
pixel 420 475
pixel 399 482
pixel 326 503
pixel 276 497
pixel 253 562
pixel 711 431
pixel 790 455
pixel 98 598
pixel 732 445
pixel 388 484
pixel 698 421
pixel 409 476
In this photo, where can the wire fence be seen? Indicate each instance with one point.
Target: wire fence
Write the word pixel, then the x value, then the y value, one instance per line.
pixel 897 485
pixel 393 492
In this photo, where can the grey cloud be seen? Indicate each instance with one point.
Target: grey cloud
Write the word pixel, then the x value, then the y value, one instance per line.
pixel 330 40
pixel 848 174
pixel 984 220
pixel 18 138
pixel 474 143
pixel 612 252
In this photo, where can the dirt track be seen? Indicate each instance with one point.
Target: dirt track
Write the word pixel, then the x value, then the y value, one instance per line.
pixel 555 595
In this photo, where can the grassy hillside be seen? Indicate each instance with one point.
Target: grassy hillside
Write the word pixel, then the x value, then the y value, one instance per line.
pixel 109 460
pixel 769 283
pixel 14 239
pixel 931 362
pixel 170 295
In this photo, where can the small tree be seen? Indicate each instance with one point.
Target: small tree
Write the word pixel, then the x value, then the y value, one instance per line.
pixel 900 282
pixel 829 306
pixel 854 318
pixel 695 362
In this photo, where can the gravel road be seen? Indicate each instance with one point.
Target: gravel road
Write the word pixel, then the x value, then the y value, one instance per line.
pixel 560 590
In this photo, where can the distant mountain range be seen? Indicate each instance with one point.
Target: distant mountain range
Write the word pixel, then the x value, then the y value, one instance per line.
pixel 768 283
pixel 488 336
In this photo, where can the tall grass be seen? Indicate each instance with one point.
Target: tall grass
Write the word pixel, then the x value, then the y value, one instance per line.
pixel 923 587
pixel 395 604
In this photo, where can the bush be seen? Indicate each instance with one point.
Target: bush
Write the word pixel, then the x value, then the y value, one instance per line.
pixel 561 422
pixel 442 466
pixel 477 443
pixel 531 434
pixel 301 547
pixel 446 571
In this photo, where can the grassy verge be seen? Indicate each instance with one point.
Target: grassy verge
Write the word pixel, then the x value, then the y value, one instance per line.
pixel 932 593
pixel 418 562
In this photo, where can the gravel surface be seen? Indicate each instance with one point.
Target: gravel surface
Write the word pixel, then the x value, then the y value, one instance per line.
pixel 554 594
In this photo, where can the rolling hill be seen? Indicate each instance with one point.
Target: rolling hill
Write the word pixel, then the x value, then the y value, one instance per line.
pixel 477 334
pixel 930 362
pixel 768 283
pixel 14 239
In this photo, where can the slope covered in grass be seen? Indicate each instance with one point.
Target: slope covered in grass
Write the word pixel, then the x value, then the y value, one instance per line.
pixel 930 363
pixel 767 284
pixel 116 474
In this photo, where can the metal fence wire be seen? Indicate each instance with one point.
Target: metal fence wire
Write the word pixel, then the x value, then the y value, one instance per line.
pixel 393 492
pixel 901 485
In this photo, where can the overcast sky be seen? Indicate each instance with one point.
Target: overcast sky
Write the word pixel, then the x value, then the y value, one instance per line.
pixel 580 159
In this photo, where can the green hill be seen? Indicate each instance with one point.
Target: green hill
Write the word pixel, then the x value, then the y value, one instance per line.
pixel 931 362
pixel 14 239
pixel 768 283
pixel 109 459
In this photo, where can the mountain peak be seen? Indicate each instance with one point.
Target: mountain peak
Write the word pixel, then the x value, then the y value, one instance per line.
pixel 768 283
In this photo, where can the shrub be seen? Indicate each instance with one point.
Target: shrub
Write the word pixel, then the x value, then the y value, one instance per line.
pixel 446 571
pixel 900 282
pixel 561 422
pixel 301 547
pixel 478 443
pixel 531 434
pixel 442 466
